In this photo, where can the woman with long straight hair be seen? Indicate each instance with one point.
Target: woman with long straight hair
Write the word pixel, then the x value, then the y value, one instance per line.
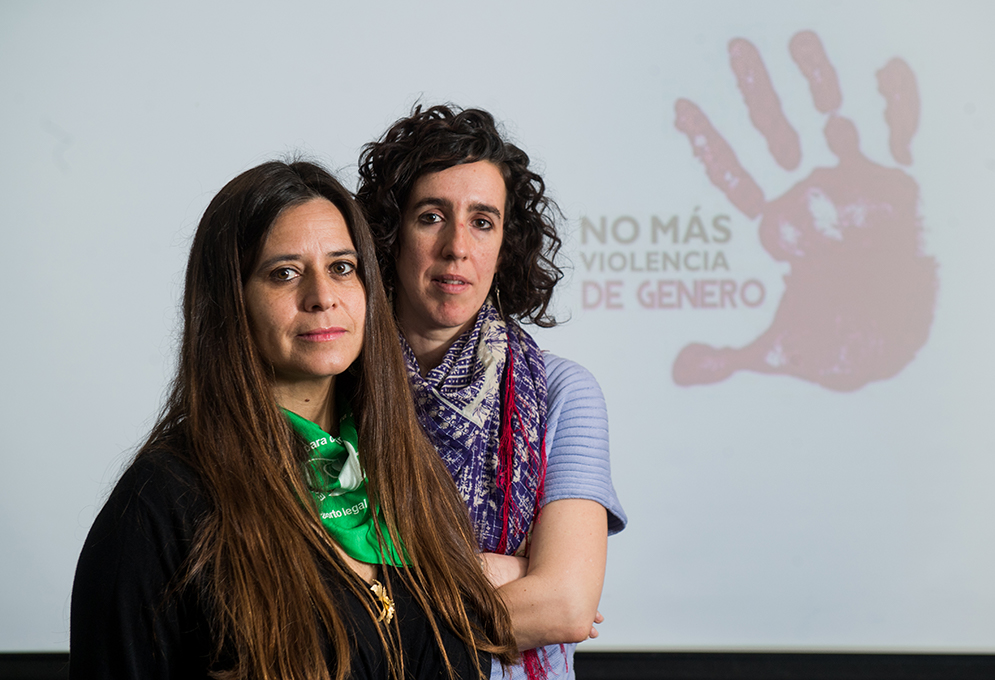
pixel 286 518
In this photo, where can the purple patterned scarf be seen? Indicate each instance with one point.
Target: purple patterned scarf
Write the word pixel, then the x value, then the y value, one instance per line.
pixel 484 409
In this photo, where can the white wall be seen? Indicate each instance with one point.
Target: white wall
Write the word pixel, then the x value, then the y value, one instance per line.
pixel 766 511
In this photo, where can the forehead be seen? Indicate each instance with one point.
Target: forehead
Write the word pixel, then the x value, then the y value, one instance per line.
pixel 479 182
pixel 312 222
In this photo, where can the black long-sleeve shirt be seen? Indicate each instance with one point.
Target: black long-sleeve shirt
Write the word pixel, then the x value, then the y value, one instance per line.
pixel 129 619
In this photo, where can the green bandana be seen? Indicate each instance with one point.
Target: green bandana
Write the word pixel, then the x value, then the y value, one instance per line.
pixel 338 486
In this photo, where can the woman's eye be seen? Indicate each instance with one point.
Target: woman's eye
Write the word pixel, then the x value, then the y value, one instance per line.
pixel 483 223
pixel 343 268
pixel 430 218
pixel 284 274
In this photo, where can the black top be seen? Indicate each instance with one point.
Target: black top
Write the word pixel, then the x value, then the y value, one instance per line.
pixel 129 621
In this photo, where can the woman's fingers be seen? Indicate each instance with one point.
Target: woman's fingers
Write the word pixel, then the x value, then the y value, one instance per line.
pixel 897 84
pixel 598 618
pixel 763 104
pixel 807 51
pixel 502 569
pixel 720 160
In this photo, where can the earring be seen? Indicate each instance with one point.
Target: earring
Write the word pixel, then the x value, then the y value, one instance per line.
pixel 497 298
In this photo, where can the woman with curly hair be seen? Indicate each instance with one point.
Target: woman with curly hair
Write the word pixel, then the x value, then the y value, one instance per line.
pixel 286 518
pixel 466 240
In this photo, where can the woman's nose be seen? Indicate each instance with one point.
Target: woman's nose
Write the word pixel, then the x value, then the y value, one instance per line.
pixel 456 241
pixel 319 293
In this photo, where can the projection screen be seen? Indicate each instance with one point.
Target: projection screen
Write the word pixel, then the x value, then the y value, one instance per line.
pixel 777 236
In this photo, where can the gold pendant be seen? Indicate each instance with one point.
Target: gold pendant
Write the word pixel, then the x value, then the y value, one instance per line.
pixel 386 604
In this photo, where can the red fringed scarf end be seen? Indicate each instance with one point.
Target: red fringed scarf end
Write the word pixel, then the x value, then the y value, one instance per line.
pixel 511 420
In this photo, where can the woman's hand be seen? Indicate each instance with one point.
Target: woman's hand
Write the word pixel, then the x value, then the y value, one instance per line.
pixel 503 569
pixel 598 618
pixel 556 600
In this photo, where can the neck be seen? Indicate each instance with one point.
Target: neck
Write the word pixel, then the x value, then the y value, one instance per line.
pixel 430 345
pixel 316 402
pixel 428 341
pixel 428 351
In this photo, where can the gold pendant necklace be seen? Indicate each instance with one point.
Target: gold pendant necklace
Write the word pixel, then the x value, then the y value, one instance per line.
pixel 386 604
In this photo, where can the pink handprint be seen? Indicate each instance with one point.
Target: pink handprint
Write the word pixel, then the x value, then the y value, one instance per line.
pixel 858 302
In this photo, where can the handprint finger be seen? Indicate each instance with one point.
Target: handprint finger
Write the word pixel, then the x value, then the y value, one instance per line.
pixel 843 138
pixel 808 53
pixel 720 160
pixel 897 84
pixel 763 103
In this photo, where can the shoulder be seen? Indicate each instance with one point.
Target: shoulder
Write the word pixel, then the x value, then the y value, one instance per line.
pixel 576 408
pixel 150 516
pixel 158 485
pixel 567 381
pixel 164 467
pixel 564 368
pixel 125 620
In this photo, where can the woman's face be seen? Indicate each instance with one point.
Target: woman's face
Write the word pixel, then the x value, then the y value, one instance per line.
pixel 306 303
pixel 450 239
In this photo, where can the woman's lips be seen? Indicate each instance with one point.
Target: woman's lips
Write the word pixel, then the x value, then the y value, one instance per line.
pixel 450 283
pixel 322 334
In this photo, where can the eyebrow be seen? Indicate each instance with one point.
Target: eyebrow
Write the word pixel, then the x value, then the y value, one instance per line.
pixel 293 257
pixel 448 205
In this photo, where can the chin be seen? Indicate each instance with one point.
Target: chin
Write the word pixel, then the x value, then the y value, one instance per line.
pixel 454 322
pixel 456 318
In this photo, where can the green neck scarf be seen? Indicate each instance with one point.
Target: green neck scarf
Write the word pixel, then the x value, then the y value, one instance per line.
pixel 338 485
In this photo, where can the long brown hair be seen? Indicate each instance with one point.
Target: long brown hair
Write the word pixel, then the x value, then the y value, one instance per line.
pixel 259 554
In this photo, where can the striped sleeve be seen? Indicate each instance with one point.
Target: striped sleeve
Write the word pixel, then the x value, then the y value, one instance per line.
pixel 577 440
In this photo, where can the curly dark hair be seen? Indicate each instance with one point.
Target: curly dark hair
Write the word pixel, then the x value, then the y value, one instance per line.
pixel 440 137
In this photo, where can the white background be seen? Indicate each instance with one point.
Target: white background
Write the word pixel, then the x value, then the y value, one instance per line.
pixel 765 512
